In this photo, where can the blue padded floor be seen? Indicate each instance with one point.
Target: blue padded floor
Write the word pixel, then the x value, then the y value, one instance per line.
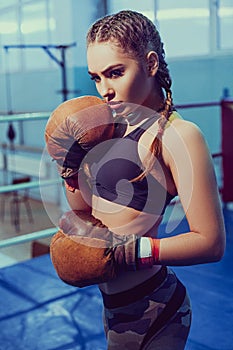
pixel 39 312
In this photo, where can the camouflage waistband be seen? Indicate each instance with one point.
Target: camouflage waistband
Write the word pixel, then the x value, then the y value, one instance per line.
pixel 136 293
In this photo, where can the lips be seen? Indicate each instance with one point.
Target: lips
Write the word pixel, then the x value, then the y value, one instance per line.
pixel 119 108
pixel 115 105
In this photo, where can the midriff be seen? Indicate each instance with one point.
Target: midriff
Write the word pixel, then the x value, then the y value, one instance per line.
pixel 126 221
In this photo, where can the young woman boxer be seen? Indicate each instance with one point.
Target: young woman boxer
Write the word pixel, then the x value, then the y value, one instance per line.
pixel 156 155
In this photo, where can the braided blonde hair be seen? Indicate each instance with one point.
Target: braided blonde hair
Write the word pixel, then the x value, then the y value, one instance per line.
pixel 137 35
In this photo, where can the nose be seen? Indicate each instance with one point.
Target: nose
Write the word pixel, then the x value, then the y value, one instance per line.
pixel 106 91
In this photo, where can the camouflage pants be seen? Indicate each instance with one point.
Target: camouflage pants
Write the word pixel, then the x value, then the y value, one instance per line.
pixel 160 319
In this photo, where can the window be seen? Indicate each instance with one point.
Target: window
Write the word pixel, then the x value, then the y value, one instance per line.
pixel 184 27
pixel 35 29
pixel 187 28
pixel 146 7
pixel 225 14
pixel 9 33
pixel 6 3
pixel 25 22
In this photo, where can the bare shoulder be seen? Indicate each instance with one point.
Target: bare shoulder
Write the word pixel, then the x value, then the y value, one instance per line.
pixel 182 135
pixel 184 128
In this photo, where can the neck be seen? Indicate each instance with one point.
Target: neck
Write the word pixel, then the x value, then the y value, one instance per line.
pixel 156 99
pixel 140 114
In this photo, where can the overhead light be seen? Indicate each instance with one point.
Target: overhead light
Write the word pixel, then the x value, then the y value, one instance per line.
pixel 37 25
pixel 182 13
pixel 8 27
pixel 226 12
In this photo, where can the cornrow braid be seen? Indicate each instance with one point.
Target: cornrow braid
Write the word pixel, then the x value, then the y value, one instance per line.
pixel 137 35
pixel 156 146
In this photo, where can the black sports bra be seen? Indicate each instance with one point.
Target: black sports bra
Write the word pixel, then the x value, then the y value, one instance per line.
pixel 112 175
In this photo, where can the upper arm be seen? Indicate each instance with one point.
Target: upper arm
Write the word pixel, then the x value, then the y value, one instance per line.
pixel 190 162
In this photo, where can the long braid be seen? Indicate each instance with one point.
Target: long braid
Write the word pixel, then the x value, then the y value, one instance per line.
pixel 156 146
pixel 137 35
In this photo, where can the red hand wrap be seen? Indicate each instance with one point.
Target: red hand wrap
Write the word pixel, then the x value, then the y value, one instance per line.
pixel 155 248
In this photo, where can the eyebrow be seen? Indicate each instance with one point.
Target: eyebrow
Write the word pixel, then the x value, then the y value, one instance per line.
pixel 106 70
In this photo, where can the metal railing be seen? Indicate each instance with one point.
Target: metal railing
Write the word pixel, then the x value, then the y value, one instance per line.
pixel 23 117
pixel 27 185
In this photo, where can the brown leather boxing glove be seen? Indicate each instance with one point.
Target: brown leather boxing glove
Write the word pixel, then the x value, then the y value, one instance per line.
pixel 80 250
pixel 86 252
pixel 75 127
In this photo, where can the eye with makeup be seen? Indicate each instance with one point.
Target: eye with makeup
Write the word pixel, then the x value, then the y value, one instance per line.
pixel 115 73
pixel 95 78
pixel 112 73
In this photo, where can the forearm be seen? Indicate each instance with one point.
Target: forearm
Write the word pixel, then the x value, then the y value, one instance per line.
pixel 189 248
pixel 184 249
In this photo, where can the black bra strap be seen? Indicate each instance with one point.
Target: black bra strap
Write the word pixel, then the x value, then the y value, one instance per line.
pixel 137 133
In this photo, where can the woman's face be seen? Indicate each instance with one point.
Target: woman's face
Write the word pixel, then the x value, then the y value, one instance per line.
pixel 118 77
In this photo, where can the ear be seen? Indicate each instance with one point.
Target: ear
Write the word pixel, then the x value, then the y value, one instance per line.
pixel 152 63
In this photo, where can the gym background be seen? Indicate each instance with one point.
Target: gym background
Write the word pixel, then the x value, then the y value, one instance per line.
pixel 43 63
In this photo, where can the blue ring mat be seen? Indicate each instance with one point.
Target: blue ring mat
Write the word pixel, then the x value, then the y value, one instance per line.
pixel 38 311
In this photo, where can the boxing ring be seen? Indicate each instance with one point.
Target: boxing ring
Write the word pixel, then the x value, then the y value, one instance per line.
pixel 39 311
